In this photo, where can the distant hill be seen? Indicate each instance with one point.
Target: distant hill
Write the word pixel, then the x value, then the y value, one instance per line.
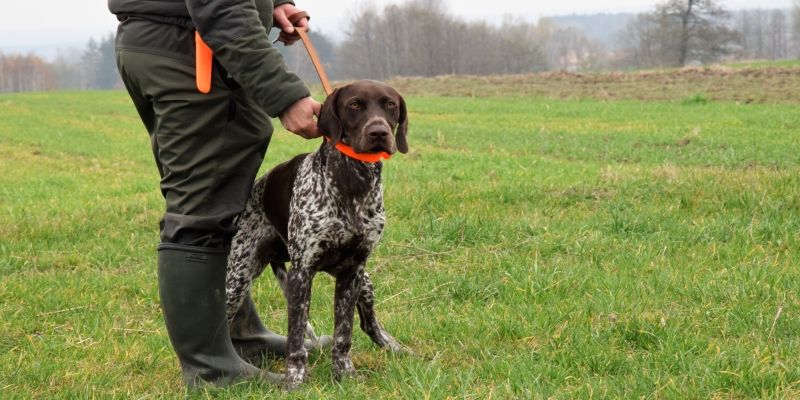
pixel 604 28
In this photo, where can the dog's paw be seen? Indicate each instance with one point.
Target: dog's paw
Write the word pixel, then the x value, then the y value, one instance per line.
pixel 395 347
pixel 290 386
pixel 389 343
pixel 293 378
pixel 343 368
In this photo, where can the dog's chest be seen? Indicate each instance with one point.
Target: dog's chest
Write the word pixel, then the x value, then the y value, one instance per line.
pixel 327 221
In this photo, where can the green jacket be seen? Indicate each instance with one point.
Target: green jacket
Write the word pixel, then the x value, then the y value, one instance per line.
pixel 236 30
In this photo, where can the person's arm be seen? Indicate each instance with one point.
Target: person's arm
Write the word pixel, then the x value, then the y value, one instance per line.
pixel 239 40
pixel 297 118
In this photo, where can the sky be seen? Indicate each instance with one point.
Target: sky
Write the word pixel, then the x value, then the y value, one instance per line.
pixel 46 25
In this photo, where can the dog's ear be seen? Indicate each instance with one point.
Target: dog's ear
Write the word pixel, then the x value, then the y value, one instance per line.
pixel 329 123
pixel 402 128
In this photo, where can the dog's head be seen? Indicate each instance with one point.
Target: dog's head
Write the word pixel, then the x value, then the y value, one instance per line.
pixel 369 116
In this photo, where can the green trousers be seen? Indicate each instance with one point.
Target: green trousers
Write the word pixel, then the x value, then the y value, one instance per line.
pixel 207 147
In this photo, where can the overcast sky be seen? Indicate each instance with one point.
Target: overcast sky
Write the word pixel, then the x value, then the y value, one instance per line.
pixel 50 24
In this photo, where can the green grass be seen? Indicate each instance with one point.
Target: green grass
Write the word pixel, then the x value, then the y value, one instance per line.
pixel 535 248
pixel 764 64
pixel 767 83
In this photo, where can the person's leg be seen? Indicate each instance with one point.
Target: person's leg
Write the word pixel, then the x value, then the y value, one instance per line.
pixel 207 167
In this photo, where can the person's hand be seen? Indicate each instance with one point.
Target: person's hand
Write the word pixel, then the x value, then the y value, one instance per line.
pixel 280 16
pixel 299 118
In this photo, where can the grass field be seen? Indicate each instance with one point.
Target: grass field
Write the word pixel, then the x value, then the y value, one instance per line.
pixel 536 248
pixel 749 83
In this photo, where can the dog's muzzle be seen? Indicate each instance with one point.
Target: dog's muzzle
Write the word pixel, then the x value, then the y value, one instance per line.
pixel 377 136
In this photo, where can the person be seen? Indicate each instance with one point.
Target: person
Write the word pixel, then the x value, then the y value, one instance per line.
pixel 208 149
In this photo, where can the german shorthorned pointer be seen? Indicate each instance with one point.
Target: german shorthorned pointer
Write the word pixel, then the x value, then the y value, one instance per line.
pixel 323 211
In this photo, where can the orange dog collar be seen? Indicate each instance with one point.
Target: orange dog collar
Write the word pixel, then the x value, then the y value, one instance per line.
pixel 365 157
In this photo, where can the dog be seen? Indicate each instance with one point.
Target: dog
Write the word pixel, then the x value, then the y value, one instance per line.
pixel 324 211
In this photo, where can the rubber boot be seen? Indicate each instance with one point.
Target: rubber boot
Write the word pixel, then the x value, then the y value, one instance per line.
pixel 253 341
pixel 191 285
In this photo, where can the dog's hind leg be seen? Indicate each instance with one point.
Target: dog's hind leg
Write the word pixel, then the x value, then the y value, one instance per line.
pixel 250 249
pixel 247 256
pixel 369 320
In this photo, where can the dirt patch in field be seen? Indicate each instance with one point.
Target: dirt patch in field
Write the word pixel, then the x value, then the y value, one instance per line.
pixel 745 85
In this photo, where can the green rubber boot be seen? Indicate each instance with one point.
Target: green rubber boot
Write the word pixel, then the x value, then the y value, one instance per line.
pixel 191 285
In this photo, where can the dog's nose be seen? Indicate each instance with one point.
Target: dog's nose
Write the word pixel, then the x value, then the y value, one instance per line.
pixel 378 133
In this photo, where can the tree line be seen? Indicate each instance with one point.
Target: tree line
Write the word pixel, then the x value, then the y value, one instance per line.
pixel 92 68
pixel 423 38
pixel 420 38
pixel 682 32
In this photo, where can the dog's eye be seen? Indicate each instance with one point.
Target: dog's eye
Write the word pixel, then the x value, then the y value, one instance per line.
pixel 391 105
pixel 354 105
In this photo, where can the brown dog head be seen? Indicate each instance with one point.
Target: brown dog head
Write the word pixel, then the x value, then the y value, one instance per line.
pixel 369 116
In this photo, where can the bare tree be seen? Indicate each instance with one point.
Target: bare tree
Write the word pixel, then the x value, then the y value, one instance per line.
pixel 796 27
pixel 778 35
pixel 763 34
pixel 751 25
pixel 641 42
pixel 679 32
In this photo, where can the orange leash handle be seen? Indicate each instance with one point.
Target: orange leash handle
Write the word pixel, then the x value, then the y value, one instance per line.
pixel 204 59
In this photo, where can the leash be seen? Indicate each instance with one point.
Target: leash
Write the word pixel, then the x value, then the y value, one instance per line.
pixel 311 50
pixel 323 77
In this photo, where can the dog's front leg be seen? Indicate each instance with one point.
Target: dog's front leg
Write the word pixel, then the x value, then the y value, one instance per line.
pixel 348 288
pixel 279 270
pixel 298 299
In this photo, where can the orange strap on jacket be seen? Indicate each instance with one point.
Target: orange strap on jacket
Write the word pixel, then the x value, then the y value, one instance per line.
pixel 204 60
